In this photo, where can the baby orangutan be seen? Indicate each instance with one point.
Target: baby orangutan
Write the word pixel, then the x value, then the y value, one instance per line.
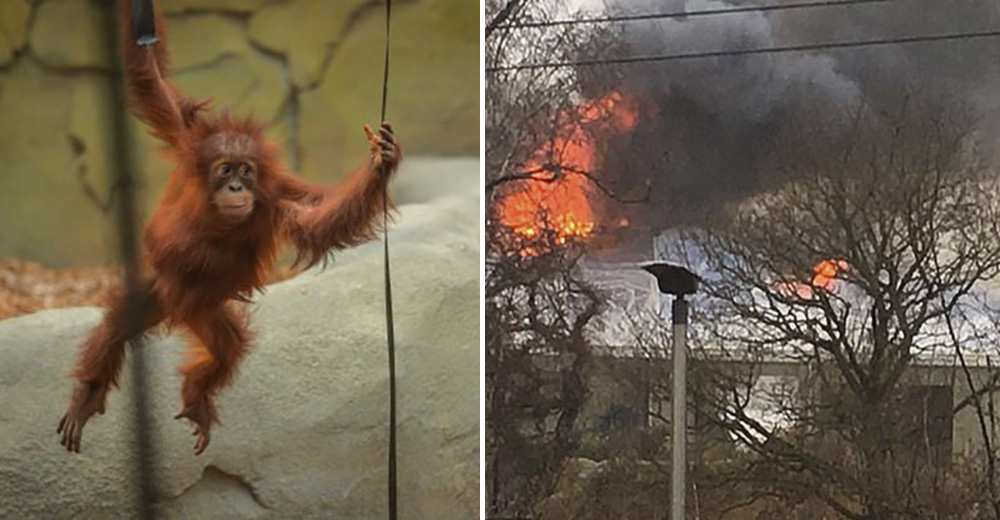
pixel 213 238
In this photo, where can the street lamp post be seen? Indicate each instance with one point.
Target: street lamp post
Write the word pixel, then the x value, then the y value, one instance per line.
pixel 679 282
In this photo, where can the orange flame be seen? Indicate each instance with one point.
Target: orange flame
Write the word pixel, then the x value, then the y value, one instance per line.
pixel 824 278
pixel 557 202
pixel 825 274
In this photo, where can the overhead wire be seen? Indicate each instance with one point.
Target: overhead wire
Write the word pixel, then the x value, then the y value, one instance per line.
pixel 748 52
pixel 691 14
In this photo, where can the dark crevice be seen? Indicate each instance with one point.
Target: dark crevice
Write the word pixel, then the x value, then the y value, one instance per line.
pixel 214 474
pixel 103 204
pixel 331 48
pixel 23 50
pixel 65 70
pixel 288 113
pixel 240 16
pixel 77 145
pixel 238 479
pixel 289 107
pixel 294 113
pixel 266 51
pixel 211 64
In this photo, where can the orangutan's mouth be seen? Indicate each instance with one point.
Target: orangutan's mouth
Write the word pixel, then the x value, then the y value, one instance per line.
pixel 237 210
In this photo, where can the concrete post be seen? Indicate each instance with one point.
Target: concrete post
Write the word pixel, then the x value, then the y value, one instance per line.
pixel 678 400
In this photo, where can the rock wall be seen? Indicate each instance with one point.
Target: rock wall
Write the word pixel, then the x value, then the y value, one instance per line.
pixel 311 68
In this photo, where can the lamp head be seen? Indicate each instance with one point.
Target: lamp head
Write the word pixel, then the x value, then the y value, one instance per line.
pixel 673 279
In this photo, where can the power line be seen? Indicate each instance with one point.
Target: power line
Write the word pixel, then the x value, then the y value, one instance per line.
pixel 747 52
pixel 688 14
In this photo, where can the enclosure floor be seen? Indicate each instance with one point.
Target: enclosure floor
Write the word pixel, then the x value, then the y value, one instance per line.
pixel 27 287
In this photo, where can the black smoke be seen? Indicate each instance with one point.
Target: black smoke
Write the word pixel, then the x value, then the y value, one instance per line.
pixel 713 131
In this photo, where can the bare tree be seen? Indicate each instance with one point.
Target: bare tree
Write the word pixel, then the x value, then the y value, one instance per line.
pixel 881 240
pixel 536 306
pixel 537 359
pixel 521 107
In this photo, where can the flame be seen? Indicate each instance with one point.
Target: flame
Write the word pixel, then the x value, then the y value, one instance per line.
pixel 557 202
pixel 824 278
pixel 825 274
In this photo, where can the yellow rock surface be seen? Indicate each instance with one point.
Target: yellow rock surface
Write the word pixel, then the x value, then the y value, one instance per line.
pixel 433 86
pixel 197 40
pixel 13 28
pixel 69 33
pixel 312 69
pixel 245 84
pixel 303 31
pixel 45 214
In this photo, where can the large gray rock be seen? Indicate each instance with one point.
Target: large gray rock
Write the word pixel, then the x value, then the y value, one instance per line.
pixel 304 430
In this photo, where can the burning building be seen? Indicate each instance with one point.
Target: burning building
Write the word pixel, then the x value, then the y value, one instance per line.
pixel 702 138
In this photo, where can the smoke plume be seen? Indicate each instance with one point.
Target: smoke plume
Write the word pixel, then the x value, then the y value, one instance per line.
pixel 715 130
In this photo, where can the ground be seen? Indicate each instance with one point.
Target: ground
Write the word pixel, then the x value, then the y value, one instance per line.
pixel 27 287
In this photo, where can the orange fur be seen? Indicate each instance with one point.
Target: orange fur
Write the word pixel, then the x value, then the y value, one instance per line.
pixel 198 264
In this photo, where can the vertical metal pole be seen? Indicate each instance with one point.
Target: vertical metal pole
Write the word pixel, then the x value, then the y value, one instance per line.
pixel 121 143
pixel 678 401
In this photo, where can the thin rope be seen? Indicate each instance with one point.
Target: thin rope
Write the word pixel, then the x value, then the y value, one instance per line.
pixel 390 329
